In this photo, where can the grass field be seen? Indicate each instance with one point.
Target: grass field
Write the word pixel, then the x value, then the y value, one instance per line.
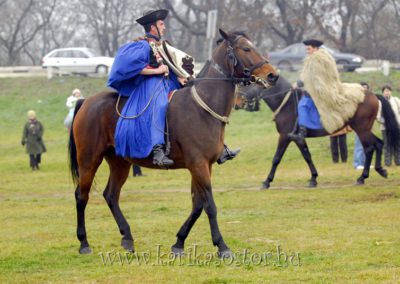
pixel 336 233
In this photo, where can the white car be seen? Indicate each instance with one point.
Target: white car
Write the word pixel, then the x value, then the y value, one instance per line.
pixel 77 60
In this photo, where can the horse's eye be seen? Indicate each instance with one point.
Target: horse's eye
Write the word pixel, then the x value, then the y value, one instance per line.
pixel 246 49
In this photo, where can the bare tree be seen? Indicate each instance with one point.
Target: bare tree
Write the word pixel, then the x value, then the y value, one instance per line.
pixel 31 28
pixel 289 20
pixel 21 21
pixel 112 22
pixel 339 20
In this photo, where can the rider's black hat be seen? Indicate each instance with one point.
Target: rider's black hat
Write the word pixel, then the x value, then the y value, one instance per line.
pixel 152 16
pixel 313 42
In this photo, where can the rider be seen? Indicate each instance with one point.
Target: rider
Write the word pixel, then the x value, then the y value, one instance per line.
pixel 308 116
pixel 139 73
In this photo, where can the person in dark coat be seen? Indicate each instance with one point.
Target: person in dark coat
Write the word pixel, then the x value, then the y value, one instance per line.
pixel 338 143
pixel 137 171
pixel 32 139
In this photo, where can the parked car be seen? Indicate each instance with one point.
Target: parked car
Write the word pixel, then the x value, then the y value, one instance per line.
pixel 77 60
pixel 291 58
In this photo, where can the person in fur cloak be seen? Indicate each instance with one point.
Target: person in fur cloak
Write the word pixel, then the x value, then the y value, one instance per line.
pixel 335 101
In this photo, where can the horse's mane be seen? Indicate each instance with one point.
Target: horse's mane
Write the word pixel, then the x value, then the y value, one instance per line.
pixel 204 69
pixel 235 33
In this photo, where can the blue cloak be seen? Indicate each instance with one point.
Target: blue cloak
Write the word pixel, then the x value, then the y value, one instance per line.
pixel 148 99
pixel 308 113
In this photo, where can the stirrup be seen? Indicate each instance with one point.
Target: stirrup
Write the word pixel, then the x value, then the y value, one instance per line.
pixel 227 154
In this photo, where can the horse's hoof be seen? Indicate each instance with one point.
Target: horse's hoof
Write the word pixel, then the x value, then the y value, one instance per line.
pixel 382 172
pixel 312 183
pixel 128 245
pixel 360 182
pixel 177 251
pixel 264 185
pixel 85 250
pixel 225 254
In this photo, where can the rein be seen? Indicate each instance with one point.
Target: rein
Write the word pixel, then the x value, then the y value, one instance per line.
pixel 265 97
pixel 284 101
pixel 142 111
pixel 249 79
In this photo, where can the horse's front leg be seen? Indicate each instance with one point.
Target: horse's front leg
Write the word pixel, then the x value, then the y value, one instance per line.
pixel 307 157
pixel 202 199
pixel 197 208
pixel 281 149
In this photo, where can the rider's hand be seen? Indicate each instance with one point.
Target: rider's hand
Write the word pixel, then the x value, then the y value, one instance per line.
pixel 163 69
pixel 182 81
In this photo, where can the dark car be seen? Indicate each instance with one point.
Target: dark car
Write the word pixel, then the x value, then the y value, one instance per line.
pixel 291 58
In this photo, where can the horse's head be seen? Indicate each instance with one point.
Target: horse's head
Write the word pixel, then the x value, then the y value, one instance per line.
pixel 244 61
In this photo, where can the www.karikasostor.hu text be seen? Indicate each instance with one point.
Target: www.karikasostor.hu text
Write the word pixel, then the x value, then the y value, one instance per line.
pixel 192 257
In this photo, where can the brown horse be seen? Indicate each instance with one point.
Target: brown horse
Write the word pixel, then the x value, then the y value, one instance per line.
pixel 283 101
pixel 196 138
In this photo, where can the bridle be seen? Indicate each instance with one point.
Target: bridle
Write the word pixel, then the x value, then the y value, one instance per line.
pixel 234 62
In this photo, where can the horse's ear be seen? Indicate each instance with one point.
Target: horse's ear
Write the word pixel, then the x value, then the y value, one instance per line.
pixel 219 40
pixel 224 34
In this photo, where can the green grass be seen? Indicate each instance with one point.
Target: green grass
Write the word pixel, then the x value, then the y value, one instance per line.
pixel 342 233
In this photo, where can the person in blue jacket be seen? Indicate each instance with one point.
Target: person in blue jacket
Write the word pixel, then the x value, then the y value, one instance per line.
pixel 308 116
pixel 139 73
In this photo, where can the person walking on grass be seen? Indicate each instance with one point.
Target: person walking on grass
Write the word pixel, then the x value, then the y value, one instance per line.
pixel 32 139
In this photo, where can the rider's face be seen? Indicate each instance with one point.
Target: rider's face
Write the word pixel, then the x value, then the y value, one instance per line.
pixel 311 49
pixel 161 27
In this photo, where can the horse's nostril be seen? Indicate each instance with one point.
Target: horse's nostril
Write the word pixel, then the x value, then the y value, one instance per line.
pixel 272 77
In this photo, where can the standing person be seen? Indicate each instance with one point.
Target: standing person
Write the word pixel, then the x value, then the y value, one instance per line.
pixel 359 155
pixel 137 171
pixel 71 103
pixel 139 72
pixel 390 153
pixel 339 146
pixel 32 135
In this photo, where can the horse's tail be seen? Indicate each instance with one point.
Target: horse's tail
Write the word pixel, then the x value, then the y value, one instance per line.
pixel 73 161
pixel 391 125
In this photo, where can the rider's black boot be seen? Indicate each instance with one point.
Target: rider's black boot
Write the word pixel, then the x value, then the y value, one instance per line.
pixel 227 154
pixel 300 135
pixel 159 157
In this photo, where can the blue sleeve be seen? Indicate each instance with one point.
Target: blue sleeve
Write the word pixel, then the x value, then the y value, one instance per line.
pixel 130 60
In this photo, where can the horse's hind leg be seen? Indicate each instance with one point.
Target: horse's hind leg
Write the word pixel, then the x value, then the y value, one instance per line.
pixel 119 172
pixel 378 160
pixel 307 157
pixel 86 177
pixel 368 141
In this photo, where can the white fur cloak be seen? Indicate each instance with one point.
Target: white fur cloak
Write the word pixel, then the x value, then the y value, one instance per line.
pixel 336 102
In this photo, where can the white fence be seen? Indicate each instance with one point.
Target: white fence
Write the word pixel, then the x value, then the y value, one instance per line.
pixel 37 71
